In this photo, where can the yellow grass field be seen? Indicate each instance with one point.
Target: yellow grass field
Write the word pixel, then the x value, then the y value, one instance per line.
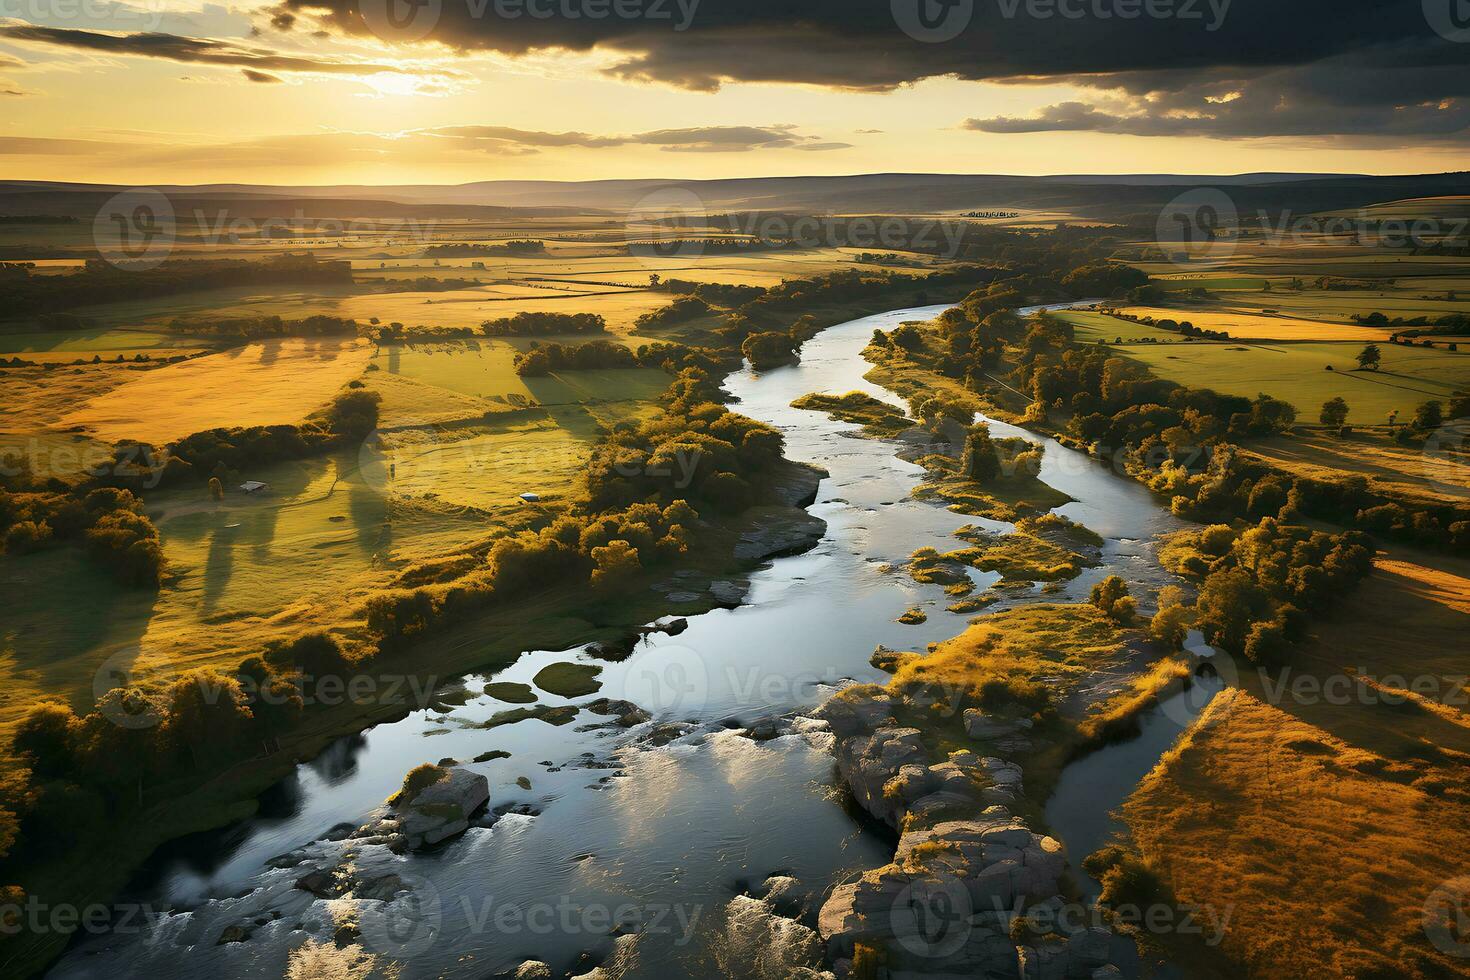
pixel 1250 326
pixel 271 383
pixel 1440 477
pixel 1327 823
pixel 1297 372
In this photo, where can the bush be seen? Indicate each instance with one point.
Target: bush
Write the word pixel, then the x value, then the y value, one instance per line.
pixel 418 779
pixel 354 413
pixel 614 564
pixel 1111 596
pixel 26 536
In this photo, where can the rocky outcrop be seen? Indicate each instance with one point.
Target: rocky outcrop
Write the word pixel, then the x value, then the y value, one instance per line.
pixel 965 867
pixel 796 484
pixel 436 813
pixel 775 532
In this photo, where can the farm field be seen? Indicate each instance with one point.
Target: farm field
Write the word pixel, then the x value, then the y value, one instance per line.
pixel 72 344
pixel 1091 326
pixel 270 383
pixel 1297 373
pixel 1252 326
pixel 1326 823
pixel 1440 475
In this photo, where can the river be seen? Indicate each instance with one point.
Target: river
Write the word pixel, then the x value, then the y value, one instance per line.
pixel 615 828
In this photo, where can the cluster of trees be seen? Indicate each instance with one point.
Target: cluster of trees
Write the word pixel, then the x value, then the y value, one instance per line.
pixel 258 327
pixel 101 282
pixel 1184 327
pixel 728 295
pixel 108 522
pixel 1257 586
pixel 705 246
pixel 523 246
pixel 84 773
pixel 1176 438
pixel 228 453
pixel 604 552
pixel 1103 279
pixel 1229 487
pixel 681 310
pixel 696 449
pixel 544 325
pixel 541 360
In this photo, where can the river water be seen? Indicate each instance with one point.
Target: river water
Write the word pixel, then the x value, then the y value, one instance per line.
pixel 616 829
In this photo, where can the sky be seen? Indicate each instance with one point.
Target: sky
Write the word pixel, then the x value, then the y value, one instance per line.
pixel 448 91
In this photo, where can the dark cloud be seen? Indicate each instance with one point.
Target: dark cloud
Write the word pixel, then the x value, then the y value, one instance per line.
pixel 1385 94
pixel 191 50
pixel 702 139
pixel 260 76
pixel 856 44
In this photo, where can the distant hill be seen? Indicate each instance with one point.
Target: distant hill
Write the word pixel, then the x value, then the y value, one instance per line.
pixel 1126 198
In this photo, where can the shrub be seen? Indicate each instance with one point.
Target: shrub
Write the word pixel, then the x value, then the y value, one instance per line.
pixel 1111 596
pixel 418 779
pixel 25 537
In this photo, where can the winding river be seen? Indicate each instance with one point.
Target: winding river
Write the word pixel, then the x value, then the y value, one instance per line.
pixel 606 827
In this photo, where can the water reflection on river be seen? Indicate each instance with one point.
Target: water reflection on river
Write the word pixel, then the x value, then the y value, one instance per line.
pixel 674 831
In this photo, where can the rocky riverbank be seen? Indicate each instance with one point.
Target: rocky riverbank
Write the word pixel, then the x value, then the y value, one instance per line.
pixel 972 890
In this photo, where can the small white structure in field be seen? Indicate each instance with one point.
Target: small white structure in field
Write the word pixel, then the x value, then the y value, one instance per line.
pixel 531 498
pixel 254 486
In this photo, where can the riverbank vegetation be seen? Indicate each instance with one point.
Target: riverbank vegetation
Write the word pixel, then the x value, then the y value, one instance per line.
pixel 669 488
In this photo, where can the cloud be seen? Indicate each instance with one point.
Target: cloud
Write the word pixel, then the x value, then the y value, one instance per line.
pixel 822 147
pixel 192 50
pixel 1388 94
pixel 857 45
pixel 260 76
pixel 45 146
pixel 704 139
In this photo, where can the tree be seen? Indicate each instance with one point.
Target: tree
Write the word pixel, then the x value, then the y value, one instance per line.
pixel 1369 358
pixel 354 413
pixel 1429 416
pixel 216 489
pixel 45 737
pixel 1334 412
pixel 1111 596
pixel 614 564
pixel 979 460
pixel 1171 623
